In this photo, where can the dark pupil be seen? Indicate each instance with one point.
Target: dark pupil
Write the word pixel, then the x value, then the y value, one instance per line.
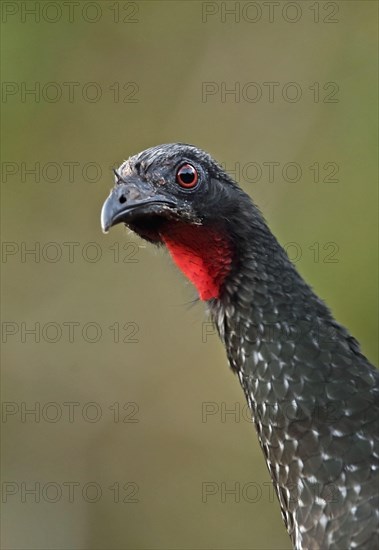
pixel 187 175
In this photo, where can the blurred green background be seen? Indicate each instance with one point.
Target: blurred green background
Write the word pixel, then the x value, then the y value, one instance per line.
pixel 136 429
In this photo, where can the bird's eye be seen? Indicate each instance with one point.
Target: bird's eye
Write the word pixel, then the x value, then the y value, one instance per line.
pixel 187 176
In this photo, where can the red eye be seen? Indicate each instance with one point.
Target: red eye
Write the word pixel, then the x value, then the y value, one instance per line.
pixel 187 176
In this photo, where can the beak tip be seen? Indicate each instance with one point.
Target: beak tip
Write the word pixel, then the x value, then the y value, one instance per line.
pixel 104 224
pixel 106 217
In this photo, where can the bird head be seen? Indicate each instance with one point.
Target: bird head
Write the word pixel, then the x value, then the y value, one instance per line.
pixel 178 196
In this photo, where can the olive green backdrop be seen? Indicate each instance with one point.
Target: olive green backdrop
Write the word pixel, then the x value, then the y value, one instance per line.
pixel 131 445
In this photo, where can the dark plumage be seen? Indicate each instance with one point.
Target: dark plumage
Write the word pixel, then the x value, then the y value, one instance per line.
pixel 313 396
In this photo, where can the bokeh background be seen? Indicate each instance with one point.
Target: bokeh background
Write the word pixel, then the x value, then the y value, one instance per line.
pixel 124 466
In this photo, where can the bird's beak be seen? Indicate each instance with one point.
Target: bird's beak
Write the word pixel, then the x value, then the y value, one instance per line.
pixel 132 199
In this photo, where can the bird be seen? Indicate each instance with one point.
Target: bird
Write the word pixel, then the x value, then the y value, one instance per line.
pixel 313 395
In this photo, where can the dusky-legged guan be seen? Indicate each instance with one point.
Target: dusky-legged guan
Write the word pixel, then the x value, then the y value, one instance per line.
pixel 313 396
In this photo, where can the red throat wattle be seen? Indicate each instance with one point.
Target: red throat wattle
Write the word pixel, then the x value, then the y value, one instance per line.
pixel 203 254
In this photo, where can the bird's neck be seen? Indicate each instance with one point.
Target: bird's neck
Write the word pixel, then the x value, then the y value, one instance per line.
pixel 256 296
pixel 266 306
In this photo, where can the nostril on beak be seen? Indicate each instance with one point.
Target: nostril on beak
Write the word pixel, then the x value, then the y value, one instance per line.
pixel 122 199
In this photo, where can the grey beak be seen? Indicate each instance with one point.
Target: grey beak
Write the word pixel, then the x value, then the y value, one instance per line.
pixel 128 199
